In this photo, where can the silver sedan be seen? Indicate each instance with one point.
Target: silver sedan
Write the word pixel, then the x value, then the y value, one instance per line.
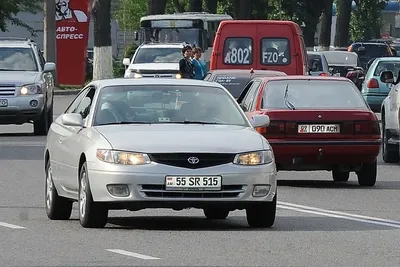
pixel 158 143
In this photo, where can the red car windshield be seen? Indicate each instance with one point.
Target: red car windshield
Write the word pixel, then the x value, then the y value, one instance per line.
pixel 313 94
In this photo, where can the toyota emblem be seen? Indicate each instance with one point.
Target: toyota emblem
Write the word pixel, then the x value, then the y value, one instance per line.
pixel 193 160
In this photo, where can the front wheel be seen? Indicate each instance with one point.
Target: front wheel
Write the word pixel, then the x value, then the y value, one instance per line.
pixel 262 214
pixel 91 214
pixel 216 213
pixel 41 126
pixel 390 152
pixel 57 208
pixel 367 174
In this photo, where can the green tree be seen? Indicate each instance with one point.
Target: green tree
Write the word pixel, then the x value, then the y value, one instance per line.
pixel 130 12
pixel 366 19
pixel 9 10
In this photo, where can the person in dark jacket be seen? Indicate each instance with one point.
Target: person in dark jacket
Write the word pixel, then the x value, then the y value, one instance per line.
pixel 186 68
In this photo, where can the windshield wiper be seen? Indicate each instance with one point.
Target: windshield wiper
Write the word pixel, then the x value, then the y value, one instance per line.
pixel 287 102
pixel 194 122
pixel 124 122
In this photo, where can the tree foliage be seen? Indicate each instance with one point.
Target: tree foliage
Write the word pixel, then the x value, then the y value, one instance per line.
pixel 9 10
pixel 130 12
pixel 366 19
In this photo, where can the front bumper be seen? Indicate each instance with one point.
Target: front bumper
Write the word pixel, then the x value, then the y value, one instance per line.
pixel 19 109
pixel 147 186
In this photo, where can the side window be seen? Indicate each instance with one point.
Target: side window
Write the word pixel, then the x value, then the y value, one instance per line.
pixel 84 106
pixel 250 96
pixel 238 51
pixel 275 51
pixel 74 104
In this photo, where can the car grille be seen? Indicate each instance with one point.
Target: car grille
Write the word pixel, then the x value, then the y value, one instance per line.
pixel 158 191
pixel 182 159
pixel 7 90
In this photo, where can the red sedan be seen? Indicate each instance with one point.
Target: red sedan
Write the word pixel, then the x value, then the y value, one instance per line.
pixel 317 123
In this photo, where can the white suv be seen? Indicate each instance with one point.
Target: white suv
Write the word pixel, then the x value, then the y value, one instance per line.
pixel 26 85
pixel 155 60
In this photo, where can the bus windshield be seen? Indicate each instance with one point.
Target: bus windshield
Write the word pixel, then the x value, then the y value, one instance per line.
pixel 172 35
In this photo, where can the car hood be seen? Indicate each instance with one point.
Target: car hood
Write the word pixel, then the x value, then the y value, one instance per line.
pixel 162 138
pixel 18 78
pixel 154 66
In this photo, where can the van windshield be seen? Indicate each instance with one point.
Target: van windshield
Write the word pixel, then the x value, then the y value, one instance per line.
pixel 275 51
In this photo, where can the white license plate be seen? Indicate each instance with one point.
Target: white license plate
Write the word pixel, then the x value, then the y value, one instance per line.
pixel 319 128
pixel 193 183
pixel 3 102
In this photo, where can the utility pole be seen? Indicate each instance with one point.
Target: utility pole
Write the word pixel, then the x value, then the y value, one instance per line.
pixel 102 52
pixel 49 34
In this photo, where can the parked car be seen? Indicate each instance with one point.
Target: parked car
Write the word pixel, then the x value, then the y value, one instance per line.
pixel 390 114
pixel 346 64
pixel 127 144
pixel 236 80
pixel 318 64
pixel 26 85
pixel 317 123
pixel 374 90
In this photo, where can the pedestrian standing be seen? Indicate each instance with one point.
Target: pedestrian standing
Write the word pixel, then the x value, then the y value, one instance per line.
pixel 199 65
pixel 186 68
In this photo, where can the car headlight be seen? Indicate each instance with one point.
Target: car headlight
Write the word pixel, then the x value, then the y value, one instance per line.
pixel 254 158
pixel 30 89
pixel 122 157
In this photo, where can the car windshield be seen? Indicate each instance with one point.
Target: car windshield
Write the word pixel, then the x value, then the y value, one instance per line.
pixel 393 66
pixel 158 55
pixel 337 58
pixel 17 59
pixel 372 50
pixel 158 104
pixel 233 83
pixel 313 94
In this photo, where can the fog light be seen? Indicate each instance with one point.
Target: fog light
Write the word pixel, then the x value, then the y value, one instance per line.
pixel 118 190
pixel 33 103
pixel 261 190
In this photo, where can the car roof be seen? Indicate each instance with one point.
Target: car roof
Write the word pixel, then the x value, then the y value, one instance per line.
pixel 156 45
pixel 314 53
pixel 370 43
pixel 388 59
pixel 153 81
pixel 305 78
pixel 15 42
pixel 246 72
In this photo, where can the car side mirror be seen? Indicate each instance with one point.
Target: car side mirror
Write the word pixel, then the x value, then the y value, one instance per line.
pixel 49 67
pixel 136 36
pixel 387 76
pixel 72 119
pixel 260 121
pixel 126 61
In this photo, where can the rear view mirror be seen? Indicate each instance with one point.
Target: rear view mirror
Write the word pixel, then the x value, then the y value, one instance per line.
pixel 387 76
pixel 72 119
pixel 361 49
pixel 136 36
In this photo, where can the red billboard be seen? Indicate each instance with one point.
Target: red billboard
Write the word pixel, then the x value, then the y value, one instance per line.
pixel 72 33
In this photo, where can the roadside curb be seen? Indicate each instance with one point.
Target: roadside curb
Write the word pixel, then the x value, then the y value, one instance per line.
pixel 67 92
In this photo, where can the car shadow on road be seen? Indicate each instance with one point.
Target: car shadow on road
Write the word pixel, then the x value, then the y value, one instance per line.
pixel 239 223
pixel 324 184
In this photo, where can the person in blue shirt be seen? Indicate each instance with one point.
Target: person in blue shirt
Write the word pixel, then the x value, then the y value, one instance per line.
pixel 200 68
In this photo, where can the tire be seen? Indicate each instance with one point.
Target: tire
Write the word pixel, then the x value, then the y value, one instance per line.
pixel 91 214
pixel 41 126
pixel 57 208
pixel 216 213
pixel 390 152
pixel 367 174
pixel 50 115
pixel 262 215
pixel 340 176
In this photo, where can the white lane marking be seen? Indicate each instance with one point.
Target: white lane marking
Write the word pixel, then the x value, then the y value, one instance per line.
pixel 132 254
pixel 12 226
pixel 340 213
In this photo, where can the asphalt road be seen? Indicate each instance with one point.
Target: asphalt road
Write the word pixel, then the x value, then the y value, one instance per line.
pixel 318 223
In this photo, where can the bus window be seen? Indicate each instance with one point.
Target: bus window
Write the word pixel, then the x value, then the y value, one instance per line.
pixel 238 51
pixel 275 51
